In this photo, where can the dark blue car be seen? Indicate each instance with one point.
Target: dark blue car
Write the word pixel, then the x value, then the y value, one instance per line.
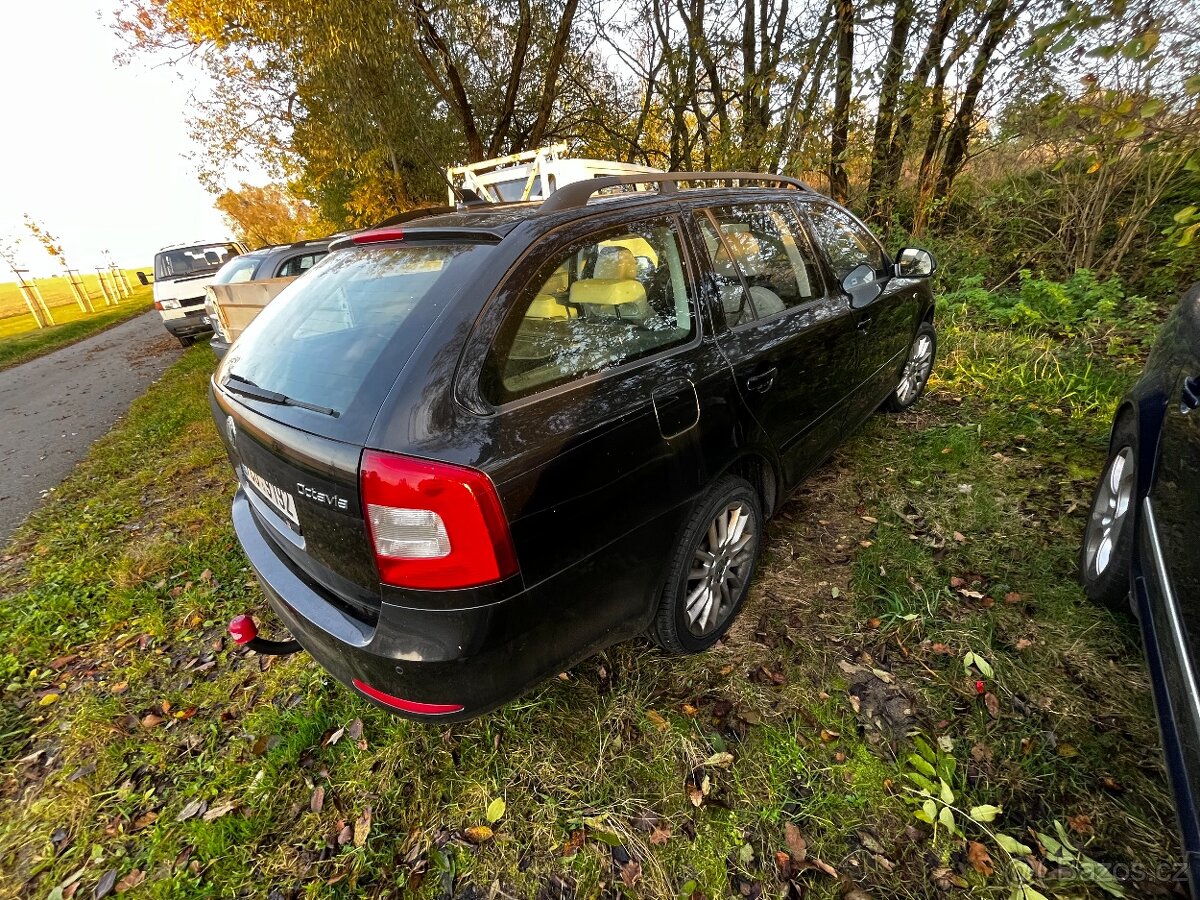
pixel 1141 547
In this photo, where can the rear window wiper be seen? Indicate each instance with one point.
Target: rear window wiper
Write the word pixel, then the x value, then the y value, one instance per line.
pixel 248 388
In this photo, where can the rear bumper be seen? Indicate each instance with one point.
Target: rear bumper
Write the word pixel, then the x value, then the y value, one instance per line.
pixel 476 657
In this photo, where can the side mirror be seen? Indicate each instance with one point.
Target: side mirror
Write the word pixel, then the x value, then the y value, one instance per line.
pixel 913 262
pixel 862 286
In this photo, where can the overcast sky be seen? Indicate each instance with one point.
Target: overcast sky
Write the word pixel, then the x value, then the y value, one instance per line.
pixel 93 150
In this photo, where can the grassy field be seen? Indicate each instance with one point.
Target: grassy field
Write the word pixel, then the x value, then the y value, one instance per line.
pixel 916 627
pixel 57 293
pixel 21 340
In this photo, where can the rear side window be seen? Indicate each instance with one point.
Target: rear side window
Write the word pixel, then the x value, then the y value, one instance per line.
pixel 238 270
pixel 298 265
pixel 320 339
pixel 603 301
pixel 848 243
pixel 761 259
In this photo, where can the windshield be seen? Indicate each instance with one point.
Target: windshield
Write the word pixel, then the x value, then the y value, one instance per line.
pixel 238 269
pixel 320 339
pixel 187 261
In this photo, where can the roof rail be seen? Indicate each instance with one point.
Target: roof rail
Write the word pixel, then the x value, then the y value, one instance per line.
pixel 576 194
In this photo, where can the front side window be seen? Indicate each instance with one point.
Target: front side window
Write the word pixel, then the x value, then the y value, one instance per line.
pixel 238 269
pixel 605 300
pixel 298 265
pixel 848 243
pixel 761 260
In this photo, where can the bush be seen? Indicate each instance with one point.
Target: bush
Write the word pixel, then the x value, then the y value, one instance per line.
pixel 1080 304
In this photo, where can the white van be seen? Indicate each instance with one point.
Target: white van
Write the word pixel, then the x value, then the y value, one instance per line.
pixel 533 175
pixel 181 273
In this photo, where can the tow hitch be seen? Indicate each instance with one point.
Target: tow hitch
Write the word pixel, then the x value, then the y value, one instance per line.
pixel 245 633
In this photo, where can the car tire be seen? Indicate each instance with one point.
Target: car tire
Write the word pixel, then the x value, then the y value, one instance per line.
pixel 185 341
pixel 1106 555
pixel 917 367
pixel 725 529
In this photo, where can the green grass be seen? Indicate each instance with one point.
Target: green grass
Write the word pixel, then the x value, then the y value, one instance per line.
pixel 21 340
pixel 132 569
pixel 56 292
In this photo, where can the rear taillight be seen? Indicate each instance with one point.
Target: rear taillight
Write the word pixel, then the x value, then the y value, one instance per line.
pixel 434 525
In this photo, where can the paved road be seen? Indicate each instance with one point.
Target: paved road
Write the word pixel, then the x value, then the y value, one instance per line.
pixel 53 407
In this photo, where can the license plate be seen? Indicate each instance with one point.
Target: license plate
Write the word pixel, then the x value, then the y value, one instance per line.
pixel 283 502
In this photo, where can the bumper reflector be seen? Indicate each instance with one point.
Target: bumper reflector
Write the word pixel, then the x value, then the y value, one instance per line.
pixel 408 706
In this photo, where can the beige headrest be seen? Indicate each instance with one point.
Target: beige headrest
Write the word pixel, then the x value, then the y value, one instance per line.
pixel 616 264
pixel 607 292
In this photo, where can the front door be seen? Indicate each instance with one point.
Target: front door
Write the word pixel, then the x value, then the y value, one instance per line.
pixel 885 326
pixel 787 333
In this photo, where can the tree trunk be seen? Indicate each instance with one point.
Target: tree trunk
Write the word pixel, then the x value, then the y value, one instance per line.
pixel 562 40
pixel 1000 20
pixel 839 141
pixel 889 92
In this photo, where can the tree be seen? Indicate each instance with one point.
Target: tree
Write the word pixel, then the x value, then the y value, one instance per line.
pixel 269 215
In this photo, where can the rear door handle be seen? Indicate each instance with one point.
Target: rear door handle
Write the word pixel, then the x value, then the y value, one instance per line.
pixel 761 382
pixel 1189 397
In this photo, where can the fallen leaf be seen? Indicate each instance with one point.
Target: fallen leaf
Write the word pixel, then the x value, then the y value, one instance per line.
pixel 362 828
pixel 631 873
pixel 720 760
pixel 574 843
pixel 105 886
pixel 495 810
pixel 221 809
pixel 1066 751
pixel 48 699
pixel 264 743
pixel 660 835
pixel 960 537
pixel 345 835
pixel 1012 597
pixel 688 710
pixel 657 720
pixel 1081 824
pixel 1024 644
pixel 354 730
pixel 192 810
pixel 61 661
pixel 828 735
pixel 979 858
pixel 130 881
pixel 478 834
pixel 145 819
pixel 992 702
pixel 150 720
pixel 317 802
pixel 697 792
pixel 796 844
pixel 332 737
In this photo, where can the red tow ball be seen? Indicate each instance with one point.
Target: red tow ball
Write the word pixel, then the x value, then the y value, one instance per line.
pixel 243 629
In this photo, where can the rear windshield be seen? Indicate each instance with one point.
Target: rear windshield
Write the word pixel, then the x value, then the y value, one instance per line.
pixel 321 339
pixel 187 261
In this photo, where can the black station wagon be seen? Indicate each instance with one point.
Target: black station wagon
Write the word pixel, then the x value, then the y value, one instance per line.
pixel 480 445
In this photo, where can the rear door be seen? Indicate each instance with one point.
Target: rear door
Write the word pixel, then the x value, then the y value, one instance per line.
pixel 788 333
pixel 609 400
pixel 886 324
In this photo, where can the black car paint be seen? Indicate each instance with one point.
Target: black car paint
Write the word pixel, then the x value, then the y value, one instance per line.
pixel 1165 574
pixel 595 477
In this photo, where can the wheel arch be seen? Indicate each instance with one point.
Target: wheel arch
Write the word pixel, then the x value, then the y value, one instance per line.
pixel 763 475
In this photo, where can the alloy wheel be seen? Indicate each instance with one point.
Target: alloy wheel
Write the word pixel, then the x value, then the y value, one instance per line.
pixel 1109 509
pixel 916 370
pixel 720 568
